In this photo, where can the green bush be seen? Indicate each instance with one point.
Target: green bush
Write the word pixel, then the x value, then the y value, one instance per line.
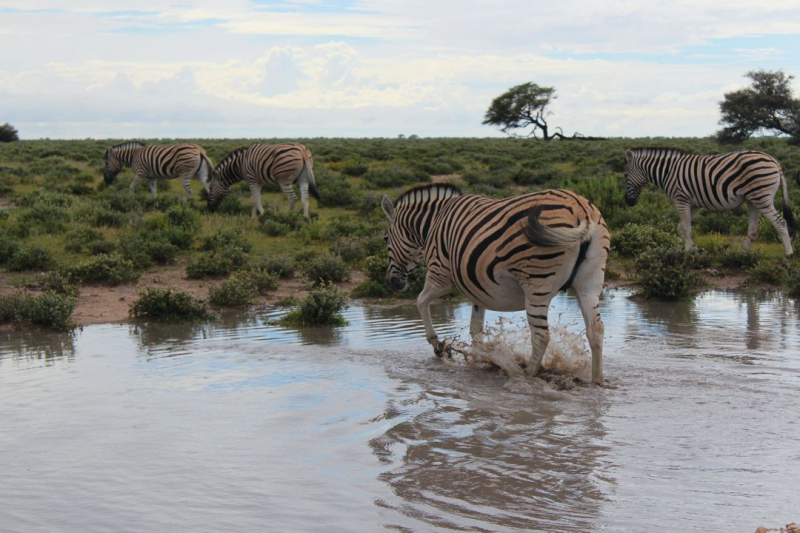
pixel 394 176
pixel 48 309
pixel 168 305
pixel 325 270
pixel 338 192
pixel 225 238
pixel 81 239
pixel 57 282
pixel 768 272
pixel 30 257
pixel 110 269
pixel 45 218
pixel 664 273
pixel 145 250
pixel 218 263
pixel 322 307
pixel 8 247
pixel 236 291
pixel 350 249
pixel 738 258
pixel 281 266
pixel 634 239
pixel 793 282
pixel 274 228
pixel 259 276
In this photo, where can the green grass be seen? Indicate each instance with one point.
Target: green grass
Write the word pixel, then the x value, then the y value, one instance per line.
pixel 496 167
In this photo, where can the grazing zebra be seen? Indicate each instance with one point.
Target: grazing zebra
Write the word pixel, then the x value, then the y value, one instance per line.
pixel 504 255
pixel 262 164
pixel 155 161
pixel 717 182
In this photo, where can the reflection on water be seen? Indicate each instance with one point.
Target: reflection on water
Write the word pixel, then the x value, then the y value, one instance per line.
pixel 242 425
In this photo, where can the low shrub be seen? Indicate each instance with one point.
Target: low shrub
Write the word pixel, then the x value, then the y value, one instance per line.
pixel 168 305
pixel 30 257
pixel 45 217
pixel 274 228
pixel 49 309
pixel 224 238
pixel 768 272
pixel 322 307
pixel 793 282
pixel 338 192
pixel 145 250
pixel 350 249
pixel 81 239
pixel 236 291
pixel 215 264
pixel 110 269
pixel 664 273
pixel 394 176
pixel 8 247
pixel 259 276
pixel 57 282
pixel 634 239
pixel 281 266
pixel 326 269
pixel 738 258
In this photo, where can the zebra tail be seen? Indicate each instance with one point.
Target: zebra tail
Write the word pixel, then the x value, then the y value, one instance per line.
pixel 312 185
pixel 787 207
pixel 542 235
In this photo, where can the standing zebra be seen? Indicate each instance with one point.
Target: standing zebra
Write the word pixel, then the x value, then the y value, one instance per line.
pixel 263 164
pixel 504 255
pixel 155 161
pixel 717 182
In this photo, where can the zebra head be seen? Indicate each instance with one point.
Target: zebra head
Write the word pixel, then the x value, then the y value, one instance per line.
pixel 113 166
pixel 404 249
pixel 217 191
pixel 635 178
pixel 226 173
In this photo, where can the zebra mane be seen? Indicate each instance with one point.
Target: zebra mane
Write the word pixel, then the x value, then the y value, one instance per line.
pixel 424 193
pixel 659 150
pixel 128 144
pixel 228 159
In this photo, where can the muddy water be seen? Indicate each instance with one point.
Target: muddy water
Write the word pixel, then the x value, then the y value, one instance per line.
pixel 241 426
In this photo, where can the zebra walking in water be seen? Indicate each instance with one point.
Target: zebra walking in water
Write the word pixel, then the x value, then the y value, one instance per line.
pixel 153 161
pixel 264 164
pixel 505 255
pixel 717 182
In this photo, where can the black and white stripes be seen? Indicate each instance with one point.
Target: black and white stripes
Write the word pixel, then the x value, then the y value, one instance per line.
pixel 263 164
pixel 155 161
pixel 505 255
pixel 717 182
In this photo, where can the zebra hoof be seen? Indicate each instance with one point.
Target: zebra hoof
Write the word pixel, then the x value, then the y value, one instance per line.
pixel 443 350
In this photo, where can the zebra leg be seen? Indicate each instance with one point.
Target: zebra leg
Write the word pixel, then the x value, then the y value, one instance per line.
pixel 288 191
pixel 258 209
pixel 153 187
pixel 754 219
pixel 429 293
pixel 187 187
pixel 304 197
pixel 536 309
pixel 588 284
pixel 476 323
pixel 686 212
pixel 780 226
pixel 137 179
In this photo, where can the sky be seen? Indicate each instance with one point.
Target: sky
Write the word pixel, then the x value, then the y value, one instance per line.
pixel 378 68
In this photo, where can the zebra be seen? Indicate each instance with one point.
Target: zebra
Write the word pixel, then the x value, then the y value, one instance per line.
pixel 155 161
pixel 717 182
pixel 261 164
pixel 504 255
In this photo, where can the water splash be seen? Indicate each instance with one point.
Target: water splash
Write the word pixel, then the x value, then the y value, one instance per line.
pixel 506 344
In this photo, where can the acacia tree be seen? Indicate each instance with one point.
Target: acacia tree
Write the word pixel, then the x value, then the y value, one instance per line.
pixel 767 106
pixel 521 107
pixel 8 133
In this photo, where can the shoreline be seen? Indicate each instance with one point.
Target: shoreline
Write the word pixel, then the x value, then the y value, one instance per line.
pixel 104 304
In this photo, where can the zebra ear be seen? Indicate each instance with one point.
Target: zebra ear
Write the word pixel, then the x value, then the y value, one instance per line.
pixel 628 155
pixel 388 207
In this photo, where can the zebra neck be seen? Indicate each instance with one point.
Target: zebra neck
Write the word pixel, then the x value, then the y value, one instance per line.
pixel 420 220
pixel 230 175
pixel 126 155
pixel 659 168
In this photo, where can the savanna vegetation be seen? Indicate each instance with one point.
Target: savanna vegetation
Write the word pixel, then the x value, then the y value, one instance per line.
pixel 62 229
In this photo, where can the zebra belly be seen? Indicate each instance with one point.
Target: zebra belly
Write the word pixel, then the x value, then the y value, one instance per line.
pixel 506 295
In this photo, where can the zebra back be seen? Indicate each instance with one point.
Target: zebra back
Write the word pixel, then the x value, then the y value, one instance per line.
pixel 276 164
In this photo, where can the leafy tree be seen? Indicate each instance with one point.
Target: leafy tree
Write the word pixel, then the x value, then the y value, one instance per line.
pixel 8 133
pixel 525 106
pixel 766 106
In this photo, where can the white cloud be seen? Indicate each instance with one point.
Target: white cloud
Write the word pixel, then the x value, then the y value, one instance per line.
pixel 377 68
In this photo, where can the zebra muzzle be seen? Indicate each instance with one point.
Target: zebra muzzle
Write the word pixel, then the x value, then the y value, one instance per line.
pixel 396 283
